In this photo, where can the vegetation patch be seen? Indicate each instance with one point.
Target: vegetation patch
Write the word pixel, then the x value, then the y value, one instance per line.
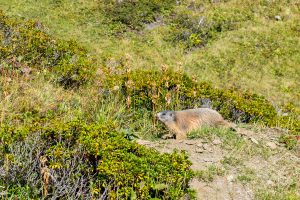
pixel 197 29
pixel 25 47
pixel 196 23
pixel 210 173
pixel 169 90
pixel 76 160
pixel 135 14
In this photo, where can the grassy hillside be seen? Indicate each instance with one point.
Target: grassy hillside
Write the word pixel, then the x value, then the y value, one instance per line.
pixel 231 43
pixel 84 78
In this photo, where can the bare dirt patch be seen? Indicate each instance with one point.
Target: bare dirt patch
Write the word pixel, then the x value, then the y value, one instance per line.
pixel 255 167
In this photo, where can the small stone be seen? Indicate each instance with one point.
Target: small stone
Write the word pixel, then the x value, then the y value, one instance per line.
pixel 281 144
pixel 273 138
pixel 199 144
pixel 243 133
pixel 162 142
pixel 207 160
pixel 116 88
pixel 205 146
pixel 199 150
pixel 26 70
pixel 254 140
pixel 272 145
pixel 217 141
pixel 190 142
pixel 269 182
pixel 143 142
pixel 230 178
pixel 277 17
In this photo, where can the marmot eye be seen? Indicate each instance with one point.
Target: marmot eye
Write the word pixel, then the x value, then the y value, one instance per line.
pixel 164 114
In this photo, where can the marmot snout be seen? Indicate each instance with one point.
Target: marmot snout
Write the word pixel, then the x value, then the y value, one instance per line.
pixel 166 116
pixel 182 122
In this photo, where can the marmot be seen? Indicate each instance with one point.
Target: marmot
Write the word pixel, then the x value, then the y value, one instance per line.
pixel 182 122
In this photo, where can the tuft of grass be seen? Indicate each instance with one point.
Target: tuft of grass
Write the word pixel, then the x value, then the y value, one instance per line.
pixel 281 193
pixel 232 161
pixel 246 175
pixel 230 139
pixel 209 174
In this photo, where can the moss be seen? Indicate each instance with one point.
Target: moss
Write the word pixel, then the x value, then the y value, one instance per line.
pixel 25 45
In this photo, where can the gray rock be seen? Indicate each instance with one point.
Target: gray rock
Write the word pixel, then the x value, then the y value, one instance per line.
pixel 269 182
pixel 271 145
pixel 230 178
pixel 199 150
pixel 278 18
pixel 217 141
pixel 199 144
pixel 253 140
pixel 190 142
pixel 205 146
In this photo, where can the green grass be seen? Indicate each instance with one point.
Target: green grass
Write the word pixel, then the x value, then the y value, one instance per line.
pixel 209 174
pixel 246 175
pixel 230 139
pixel 254 53
pixel 239 45
pixel 282 193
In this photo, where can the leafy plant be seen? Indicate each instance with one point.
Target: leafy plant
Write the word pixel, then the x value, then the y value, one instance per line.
pixel 135 14
pixel 95 159
pixel 26 47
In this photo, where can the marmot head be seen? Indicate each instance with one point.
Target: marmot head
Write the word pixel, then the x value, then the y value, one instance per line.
pixel 166 116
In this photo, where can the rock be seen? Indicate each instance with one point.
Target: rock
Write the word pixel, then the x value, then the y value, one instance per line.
pixel 143 142
pixel 116 88
pixel 190 142
pixel 199 144
pixel 272 145
pixel 26 70
pixel 277 17
pixel 269 182
pixel 153 25
pixel 253 140
pixel 205 146
pixel 217 141
pixel 230 178
pixel 243 133
pixel 208 160
pixel 199 150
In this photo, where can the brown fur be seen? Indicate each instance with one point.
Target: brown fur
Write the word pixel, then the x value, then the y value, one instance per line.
pixel 182 122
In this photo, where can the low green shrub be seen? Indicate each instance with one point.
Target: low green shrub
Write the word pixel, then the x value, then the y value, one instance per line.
pixel 205 21
pixel 135 14
pixel 197 29
pixel 96 156
pixel 170 90
pixel 25 47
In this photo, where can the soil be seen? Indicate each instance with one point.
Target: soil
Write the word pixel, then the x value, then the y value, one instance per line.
pixel 275 167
